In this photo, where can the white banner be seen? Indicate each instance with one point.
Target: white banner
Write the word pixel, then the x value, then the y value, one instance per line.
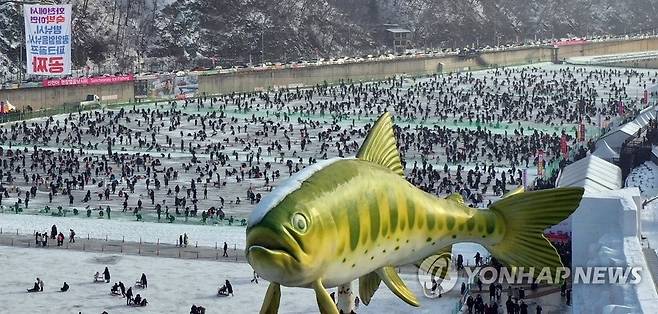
pixel 48 39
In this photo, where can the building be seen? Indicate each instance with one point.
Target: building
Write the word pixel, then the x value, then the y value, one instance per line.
pixel 399 39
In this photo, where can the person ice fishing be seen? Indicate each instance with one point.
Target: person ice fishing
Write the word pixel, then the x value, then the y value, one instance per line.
pixel 344 219
pixel 226 289
pixel 115 289
pixel 38 286
pixel 137 300
pixel 65 287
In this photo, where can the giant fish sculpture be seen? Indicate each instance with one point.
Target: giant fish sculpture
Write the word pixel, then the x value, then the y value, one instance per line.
pixel 357 218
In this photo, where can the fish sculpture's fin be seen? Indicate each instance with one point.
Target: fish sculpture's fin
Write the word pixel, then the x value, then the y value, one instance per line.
pixel 272 299
pixel 438 264
pixel 518 190
pixel 325 302
pixel 456 197
pixel 368 284
pixel 526 216
pixel 395 284
pixel 380 146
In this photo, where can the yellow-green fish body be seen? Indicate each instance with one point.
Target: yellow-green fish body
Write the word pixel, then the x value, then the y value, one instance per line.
pixel 346 219
pixel 375 218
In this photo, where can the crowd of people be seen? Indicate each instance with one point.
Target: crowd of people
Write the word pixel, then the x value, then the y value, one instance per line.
pixel 41 238
pixel 473 133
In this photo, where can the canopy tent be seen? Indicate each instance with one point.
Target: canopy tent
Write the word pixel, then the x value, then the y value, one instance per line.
pixel 6 107
pixel 592 173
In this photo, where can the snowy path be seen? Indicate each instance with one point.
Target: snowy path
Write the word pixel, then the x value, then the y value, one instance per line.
pixel 128 248
pixel 202 235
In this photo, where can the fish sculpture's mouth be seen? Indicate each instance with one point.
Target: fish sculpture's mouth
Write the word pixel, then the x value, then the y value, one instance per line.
pixel 257 250
pixel 275 255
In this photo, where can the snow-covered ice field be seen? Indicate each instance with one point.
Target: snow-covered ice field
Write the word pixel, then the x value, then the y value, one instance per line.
pixel 645 177
pixel 174 285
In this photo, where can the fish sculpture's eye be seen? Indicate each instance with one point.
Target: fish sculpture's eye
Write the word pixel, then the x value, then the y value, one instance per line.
pixel 299 222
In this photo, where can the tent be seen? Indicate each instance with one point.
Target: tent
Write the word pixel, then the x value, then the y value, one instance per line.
pixel 592 173
pixel 6 107
pixel 605 152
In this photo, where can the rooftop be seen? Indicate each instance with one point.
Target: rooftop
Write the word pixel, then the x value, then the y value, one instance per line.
pixel 398 30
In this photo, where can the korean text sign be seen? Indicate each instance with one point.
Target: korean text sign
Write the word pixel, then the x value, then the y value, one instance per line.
pixel 48 39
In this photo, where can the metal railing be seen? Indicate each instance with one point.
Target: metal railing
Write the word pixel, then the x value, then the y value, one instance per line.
pixel 141 248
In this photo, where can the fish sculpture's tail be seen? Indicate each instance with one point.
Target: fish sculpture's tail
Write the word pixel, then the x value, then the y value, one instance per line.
pixel 526 216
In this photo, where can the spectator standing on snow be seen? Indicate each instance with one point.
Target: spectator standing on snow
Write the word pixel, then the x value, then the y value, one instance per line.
pixel 229 287
pixel 129 295
pixel 106 275
pixel 60 239
pixel 255 279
